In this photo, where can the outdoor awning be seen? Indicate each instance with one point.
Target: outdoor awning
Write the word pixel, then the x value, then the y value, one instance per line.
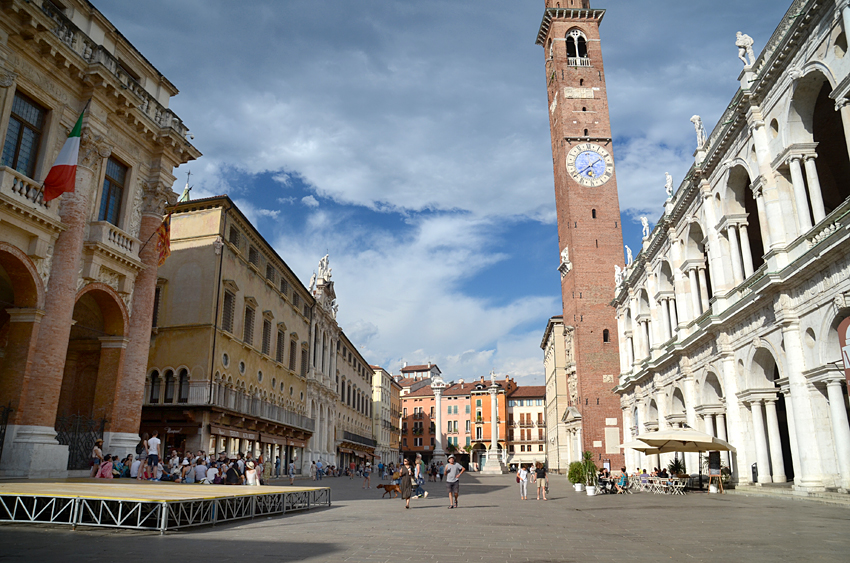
pixel 682 440
pixel 360 454
pixel 217 430
pixel 637 445
pixel 297 443
pixel 345 450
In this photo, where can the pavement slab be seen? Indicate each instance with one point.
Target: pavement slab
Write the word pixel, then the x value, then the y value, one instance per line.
pixel 491 525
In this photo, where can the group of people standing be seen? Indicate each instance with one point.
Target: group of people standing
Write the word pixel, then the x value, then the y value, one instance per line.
pixel 536 474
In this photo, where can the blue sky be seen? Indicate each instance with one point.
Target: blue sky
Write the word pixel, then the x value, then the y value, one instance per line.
pixel 410 140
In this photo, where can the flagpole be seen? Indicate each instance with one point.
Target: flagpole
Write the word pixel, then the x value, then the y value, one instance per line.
pixel 154 233
pixel 41 189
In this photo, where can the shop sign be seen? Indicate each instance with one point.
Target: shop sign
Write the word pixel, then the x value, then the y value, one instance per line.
pixel 232 433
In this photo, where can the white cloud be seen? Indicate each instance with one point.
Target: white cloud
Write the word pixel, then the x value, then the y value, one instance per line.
pixel 310 201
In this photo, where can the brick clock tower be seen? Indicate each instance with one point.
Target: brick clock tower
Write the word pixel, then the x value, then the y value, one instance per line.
pixel 589 230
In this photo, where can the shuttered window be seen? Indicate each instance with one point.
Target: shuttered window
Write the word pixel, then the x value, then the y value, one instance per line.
pixel 281 341
pixel 227 311
pixel 267 337
pixel 248 329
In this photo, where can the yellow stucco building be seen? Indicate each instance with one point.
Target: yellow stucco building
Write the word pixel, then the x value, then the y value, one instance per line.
pixel 229 349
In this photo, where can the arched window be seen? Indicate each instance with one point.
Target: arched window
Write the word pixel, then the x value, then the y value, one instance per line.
pixel 606 336
pixel 169 387
pixel 183 389
pixel 156 385
pixel 577 48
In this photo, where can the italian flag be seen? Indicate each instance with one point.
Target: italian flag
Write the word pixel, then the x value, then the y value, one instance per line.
pixel 62 175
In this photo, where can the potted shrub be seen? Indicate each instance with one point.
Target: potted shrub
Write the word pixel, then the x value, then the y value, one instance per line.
pixel 589 473
pixel 677 468
pixel 576 476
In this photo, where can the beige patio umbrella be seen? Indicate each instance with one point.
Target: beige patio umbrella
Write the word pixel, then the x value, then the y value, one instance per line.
pixel 637 445
pixel 683 440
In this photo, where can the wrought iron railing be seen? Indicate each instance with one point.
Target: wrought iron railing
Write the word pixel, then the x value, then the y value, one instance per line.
pixel 79 433
pixel 235 400
pixel 4 421
pixel 352 437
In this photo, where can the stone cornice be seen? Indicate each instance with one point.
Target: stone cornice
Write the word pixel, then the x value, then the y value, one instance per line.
pixel 565 13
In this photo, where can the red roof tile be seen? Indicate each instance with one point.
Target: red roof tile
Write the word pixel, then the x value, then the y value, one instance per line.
pixel 536 391
pixel 423 367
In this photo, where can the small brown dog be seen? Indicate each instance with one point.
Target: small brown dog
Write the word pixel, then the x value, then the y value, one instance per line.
pixel 390 489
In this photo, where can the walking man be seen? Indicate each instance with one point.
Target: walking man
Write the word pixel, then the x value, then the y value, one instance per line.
pixel 453 471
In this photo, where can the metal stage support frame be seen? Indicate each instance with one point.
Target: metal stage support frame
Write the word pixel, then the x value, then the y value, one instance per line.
pixel 136 514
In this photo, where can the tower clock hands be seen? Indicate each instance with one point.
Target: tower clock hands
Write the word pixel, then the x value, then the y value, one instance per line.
pixel 582 171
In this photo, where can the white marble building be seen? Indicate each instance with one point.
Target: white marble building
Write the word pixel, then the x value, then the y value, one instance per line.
pixel 728 316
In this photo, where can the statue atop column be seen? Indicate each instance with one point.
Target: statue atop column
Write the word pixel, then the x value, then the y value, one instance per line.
pixel 324 272
pixel 745 47
pixel 701 136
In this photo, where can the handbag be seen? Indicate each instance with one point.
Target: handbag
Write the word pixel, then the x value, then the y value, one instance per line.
pixel 517 478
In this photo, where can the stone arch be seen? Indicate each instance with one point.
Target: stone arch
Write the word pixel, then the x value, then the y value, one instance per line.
pixel 21 295
pixel 576 43
pixel 95 354
pixel 665 276
pixel 21 274
pixel 812 119
pixel 677 402
pixel 830 348
pixel 711 389
pixel 764 370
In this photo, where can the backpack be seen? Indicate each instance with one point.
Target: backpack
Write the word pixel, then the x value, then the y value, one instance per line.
pixel 140 448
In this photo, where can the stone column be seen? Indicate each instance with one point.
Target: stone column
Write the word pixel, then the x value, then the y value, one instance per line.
pixel 804 419
pixel 776 459
pixel 695 301
pixel 735 253
pixel 840 429
pixel 35 452
pixel 703 289
pixel 721 433
pixel 815 195
pixel 494 462
pixel 709 424
pixel 803 219
pixel 630 351
pixel 665 315
pixel 437 386
pixel 746 253
pixel 761 445
pixel 762 212
pixel 674 319
pixel 123 428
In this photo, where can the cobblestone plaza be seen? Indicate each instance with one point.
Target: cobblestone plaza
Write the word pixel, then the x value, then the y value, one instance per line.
pixel 491 524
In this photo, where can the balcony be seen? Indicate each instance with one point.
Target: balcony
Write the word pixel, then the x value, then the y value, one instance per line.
pixel 93 54
pixel 578 61
pixel 197 394
pixel 111 237
pixel 25 194
pixel 357 439
pixel 525 424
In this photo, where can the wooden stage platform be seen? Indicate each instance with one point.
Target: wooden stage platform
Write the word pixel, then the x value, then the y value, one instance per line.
pixel 142 505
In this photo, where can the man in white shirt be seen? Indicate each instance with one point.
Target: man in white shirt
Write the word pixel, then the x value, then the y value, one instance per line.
pixel 134 469
pixel 153 452
pixel 212 473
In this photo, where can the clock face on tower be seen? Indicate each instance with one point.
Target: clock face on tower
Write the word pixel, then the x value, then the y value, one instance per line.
pixel 589 164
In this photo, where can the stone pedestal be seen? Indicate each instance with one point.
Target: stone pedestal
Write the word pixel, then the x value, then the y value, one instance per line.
pixel 494 465
pixel 32 452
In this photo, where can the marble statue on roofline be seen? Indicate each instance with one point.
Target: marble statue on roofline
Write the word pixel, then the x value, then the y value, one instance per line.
pixel 313 284
pixel 668 185
pixel 618 276
pixel 629 259
pixel 745 47
pixel 701 137
pixel 325 271
pixel 645 224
